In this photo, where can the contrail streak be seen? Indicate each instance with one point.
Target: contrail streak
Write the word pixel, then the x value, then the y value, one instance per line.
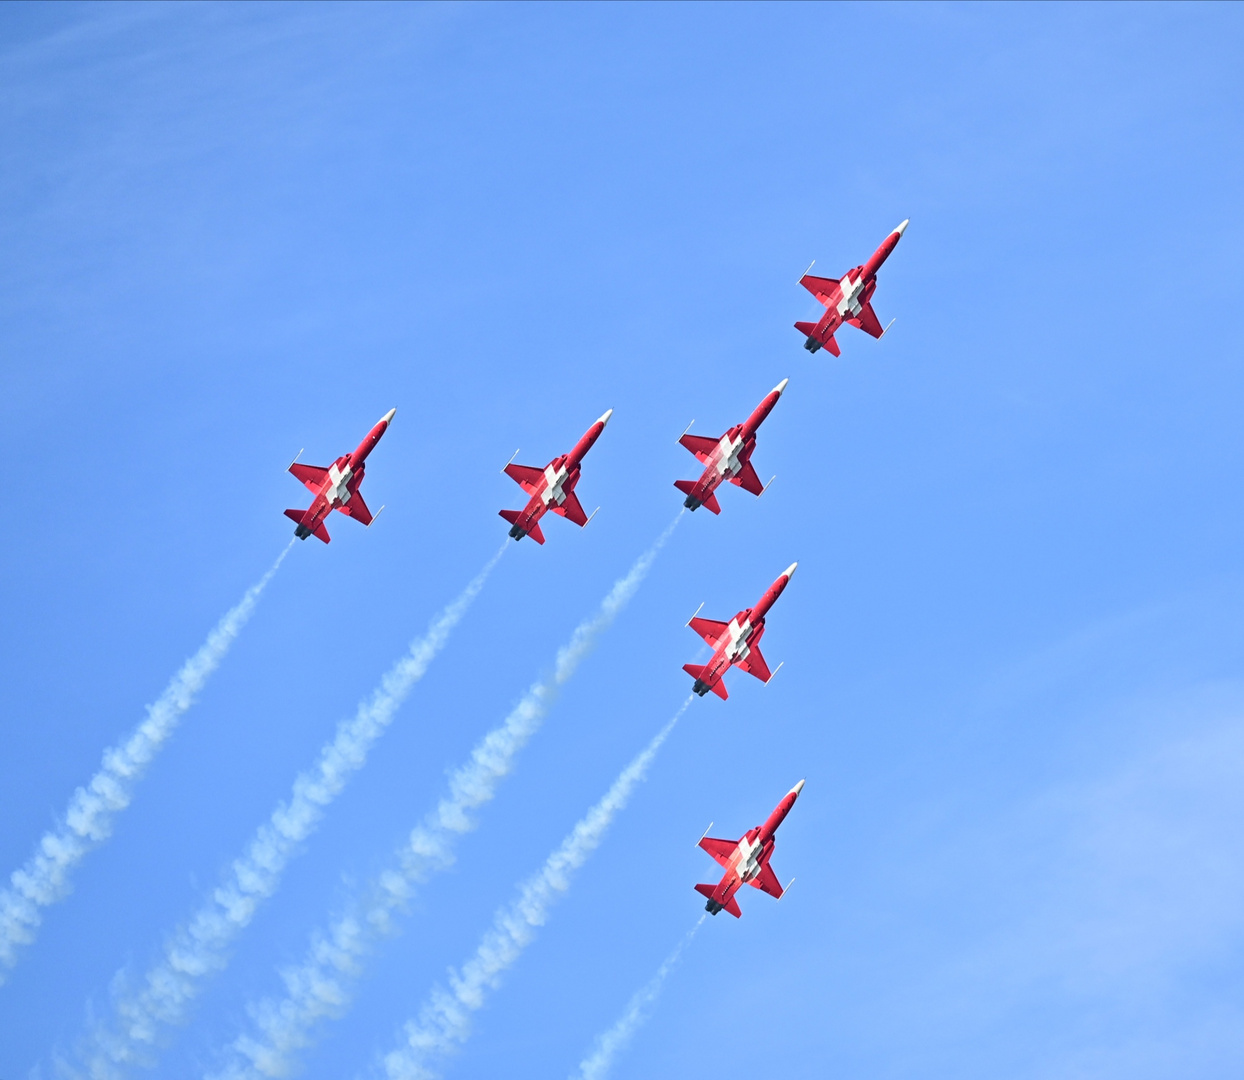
pixel 199 948
pixel 44 878
pixel 319 987
pixel 608 1045
pixel 445 1021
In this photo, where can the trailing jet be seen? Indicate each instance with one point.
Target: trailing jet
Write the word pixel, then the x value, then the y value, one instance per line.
pixel 746 861
pixel 736 643
pixel 847 300
pixel 727 458
pixel 337 487
pixel 551 488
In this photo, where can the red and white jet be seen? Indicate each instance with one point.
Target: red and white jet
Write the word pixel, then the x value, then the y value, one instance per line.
pixel 727 458
pixel 736 643
pixel 847 300
pixel 337 487
pixel 746 861
pixel 551 488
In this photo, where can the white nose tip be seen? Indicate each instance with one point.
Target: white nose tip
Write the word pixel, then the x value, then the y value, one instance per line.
pixel 605 419
pixel 789 572
pixel 903 228
pixel 781 386
pixel 797 788
pixel 388 416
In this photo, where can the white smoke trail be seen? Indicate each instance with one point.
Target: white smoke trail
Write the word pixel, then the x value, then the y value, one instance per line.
pixel 445 1021
pixel 200 947
pixel 614 1041
pixel 319 987
pixel 88 820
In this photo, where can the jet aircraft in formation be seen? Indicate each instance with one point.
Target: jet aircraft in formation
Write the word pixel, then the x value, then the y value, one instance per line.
pixel 727 458
pixel 847 300
pixel 337 487
pixel 551 488
pixel 736 643
pixel 746 860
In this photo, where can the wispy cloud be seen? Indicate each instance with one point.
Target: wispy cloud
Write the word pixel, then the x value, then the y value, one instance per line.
pixel 44 878
pixel 611 1043
pixel 200 947
pixel 445 1021
pixel 320 986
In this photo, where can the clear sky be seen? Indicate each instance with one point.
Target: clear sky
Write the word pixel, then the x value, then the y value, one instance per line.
pixel 1014 649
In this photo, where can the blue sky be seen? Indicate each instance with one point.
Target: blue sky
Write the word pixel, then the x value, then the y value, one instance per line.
pixel 1013 650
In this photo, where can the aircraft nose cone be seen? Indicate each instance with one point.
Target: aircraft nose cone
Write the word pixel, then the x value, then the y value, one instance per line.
pixel 789 572
pixel 605 419
pixel 781 386
pixel 387 418
pixel 798 787
pixel 903 227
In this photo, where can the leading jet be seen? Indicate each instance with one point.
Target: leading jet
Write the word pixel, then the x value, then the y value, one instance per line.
pixel 337 487
pixel 746 861
pixel 847 300
pixel 551 488
pixel 736 643
pixel 727 458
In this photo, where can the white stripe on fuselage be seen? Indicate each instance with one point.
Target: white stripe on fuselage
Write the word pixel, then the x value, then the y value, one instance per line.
pixel 747 858
pixel 553 480
pixel 737 636
pixel 850 295
pixel 726 456
pixel 338 491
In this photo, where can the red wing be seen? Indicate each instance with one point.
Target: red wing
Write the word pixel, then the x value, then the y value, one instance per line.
pixel 766 881
pixel 820 287
pixel 525 476
pixel 571 509
pixel 721 850
pixel 710 630
pixel 867 321
pixel 699 445
pixel 754 664
pixel 748 480
pixel 312 476
pixel 357 509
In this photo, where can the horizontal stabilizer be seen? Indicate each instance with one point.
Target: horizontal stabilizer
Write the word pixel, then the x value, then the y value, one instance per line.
pixel 706 890
pixel 510 515
pixel 533 530
pixel 805 328
pixel 696 671
pixel 321 533
pixel 687 487
pixel 296 516
pixel 711 503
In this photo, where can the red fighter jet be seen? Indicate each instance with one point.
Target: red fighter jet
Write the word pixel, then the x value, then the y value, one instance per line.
pixel 551 488
pixel 846 301
pixel 727 458
pixel 746 861
pixel 736 643
pixel 337 487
